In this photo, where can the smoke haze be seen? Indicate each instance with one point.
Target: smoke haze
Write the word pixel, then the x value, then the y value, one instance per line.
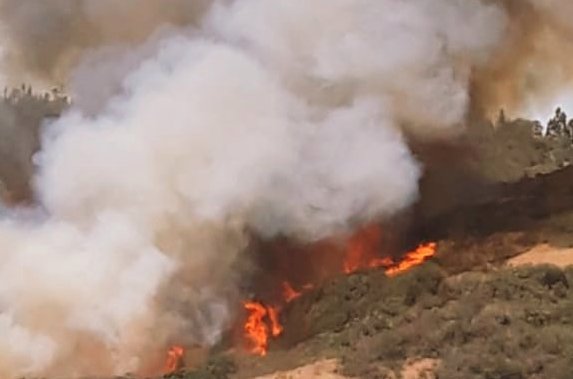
pixel 197 123
pixel 45 39
pixel 533 62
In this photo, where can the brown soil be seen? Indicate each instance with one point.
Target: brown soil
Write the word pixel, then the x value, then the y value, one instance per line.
pixel 324 369
pixel 331 368
pixel 420 369
pixel 544 254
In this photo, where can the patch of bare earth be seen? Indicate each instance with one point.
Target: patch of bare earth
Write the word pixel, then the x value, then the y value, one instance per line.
pixel 330 369
pixel 324 369
pixel 420 369
pixel 544 254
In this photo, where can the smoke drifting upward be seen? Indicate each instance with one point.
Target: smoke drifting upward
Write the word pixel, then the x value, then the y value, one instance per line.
pixel 193 125
pixel 44 40
pixel 534 62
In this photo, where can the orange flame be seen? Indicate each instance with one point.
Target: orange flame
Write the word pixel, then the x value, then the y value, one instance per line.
pixel 290 293
pixel 413 258
pixel 174 359
pixel 361 253
pixel 276 327
pixel 380 262
pixel 263 321
pixel 256 329
pixel 361 248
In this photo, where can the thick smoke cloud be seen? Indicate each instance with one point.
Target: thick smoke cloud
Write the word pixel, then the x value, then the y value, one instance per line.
pixel 534 62
pixel 45 39
pixel 192 128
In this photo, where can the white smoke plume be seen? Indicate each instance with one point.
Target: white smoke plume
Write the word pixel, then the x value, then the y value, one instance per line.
pixel 286 117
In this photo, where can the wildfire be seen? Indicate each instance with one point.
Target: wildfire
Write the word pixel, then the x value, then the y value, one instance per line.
pixel 361 254
pixel 361 248
pixel 381 262
pixel 174 359
pixel 413 258
pixel 276 327
pixel 290 293
pixel 262 322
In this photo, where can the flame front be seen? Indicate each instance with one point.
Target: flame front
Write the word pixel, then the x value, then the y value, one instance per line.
pixel 290 293
pixel 362 249
pixel 263 321
pixel 256 328
pixel 413 258
pixel 174 359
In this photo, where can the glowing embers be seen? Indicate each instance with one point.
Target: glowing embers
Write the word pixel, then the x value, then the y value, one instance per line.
pixel 174 361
